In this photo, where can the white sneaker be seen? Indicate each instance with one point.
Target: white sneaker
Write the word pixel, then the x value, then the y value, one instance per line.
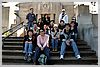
pixel 61 57
pixel 78 56
pixel 25 58
pixel 23 51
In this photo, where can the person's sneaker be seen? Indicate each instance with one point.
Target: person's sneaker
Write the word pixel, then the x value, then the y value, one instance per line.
pixel 29 54
pixel 25 58
pixel 23 51
pixel 34 63
pixel 29 59
pixel 78 57
pixel 55 49
pixel 61 57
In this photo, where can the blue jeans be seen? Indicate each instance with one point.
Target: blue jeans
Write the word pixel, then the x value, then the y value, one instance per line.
pixel 73 45
pixel 28 48
pixel 30 24
pixel 54 43
pixel 37 53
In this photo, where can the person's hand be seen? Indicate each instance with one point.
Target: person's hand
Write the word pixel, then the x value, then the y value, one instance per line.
pixel 71 40
pixel 30 42
pixel 42 48
pixel 54 37
pixel 48 45
pixel 68 42
pixel 26 41
pixel 34 21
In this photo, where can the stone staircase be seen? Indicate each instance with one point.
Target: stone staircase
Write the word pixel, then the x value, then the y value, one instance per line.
pixel 12 54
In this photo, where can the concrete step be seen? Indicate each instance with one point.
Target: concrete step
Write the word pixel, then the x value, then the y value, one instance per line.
pixel 20 47
pixel 21 39
pixel 67 53
pixel 21 43
pixel 67 60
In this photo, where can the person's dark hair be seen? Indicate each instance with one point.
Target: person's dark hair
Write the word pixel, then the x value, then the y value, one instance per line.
pixel 67 25
pixel 52 21
pixel 72 22
pixel 41 30
pixel 61 21
pixel 29 31
pixel 69 29
pixel 31 8
pixel 45 15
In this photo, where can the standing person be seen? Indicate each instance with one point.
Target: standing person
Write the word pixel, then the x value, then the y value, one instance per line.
pixel 63 16
pixel 29 44
pixel 42 45
pixel 66 39
pixel 31 18
pixel 54 37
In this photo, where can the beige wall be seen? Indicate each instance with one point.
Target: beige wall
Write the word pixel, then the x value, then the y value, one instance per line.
pixel 5 18
pixel 95 19
pixel 52 8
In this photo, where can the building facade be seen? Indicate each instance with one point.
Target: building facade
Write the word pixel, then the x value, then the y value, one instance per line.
pixel 53 9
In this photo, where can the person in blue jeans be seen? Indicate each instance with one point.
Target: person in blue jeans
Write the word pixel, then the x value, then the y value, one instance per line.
pixel 29 39
pixel 42 46
pixel 54 36
pixel 66 40
pixel 31 17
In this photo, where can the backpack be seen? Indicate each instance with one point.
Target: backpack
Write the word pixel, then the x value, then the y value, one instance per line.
pixel 42 59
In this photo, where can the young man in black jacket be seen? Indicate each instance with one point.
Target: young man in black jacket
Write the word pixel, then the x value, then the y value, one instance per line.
pixel 31 17
pixel 67 40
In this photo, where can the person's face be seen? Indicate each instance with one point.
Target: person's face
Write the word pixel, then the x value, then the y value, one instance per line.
pixel 67 28
pixel 63 12
pixel 42 33
pixel 39 20
pixel 55 28
pixel 30 33
pixel 31 11
pixel 72 24
pixel 46 16
pixel 62 23
pixel 51 23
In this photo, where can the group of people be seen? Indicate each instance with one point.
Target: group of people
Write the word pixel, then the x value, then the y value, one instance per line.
pixel 45 36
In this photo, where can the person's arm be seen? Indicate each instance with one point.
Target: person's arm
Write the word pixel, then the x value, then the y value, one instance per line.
pixel 52 35
pixel 46 42
pixel 59 18
pixel 27 16
pixel 38 42
pixel 34 18
pixel 66 19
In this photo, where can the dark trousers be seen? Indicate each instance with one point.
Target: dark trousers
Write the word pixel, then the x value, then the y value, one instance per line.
pixel 30 24
pixel 38 52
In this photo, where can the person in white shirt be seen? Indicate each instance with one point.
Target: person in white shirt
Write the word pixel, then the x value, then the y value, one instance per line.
pixel 63 16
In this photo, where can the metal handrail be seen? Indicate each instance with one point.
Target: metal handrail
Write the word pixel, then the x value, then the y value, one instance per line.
pixel 12 33
pixel 13 28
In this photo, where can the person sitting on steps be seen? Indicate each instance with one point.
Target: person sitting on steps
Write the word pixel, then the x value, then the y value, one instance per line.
pixel 29 43
pixel 65 37
pixel 54 37
pixel 42 45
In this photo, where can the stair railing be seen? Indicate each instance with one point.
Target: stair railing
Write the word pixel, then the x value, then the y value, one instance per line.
pixel 14 29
